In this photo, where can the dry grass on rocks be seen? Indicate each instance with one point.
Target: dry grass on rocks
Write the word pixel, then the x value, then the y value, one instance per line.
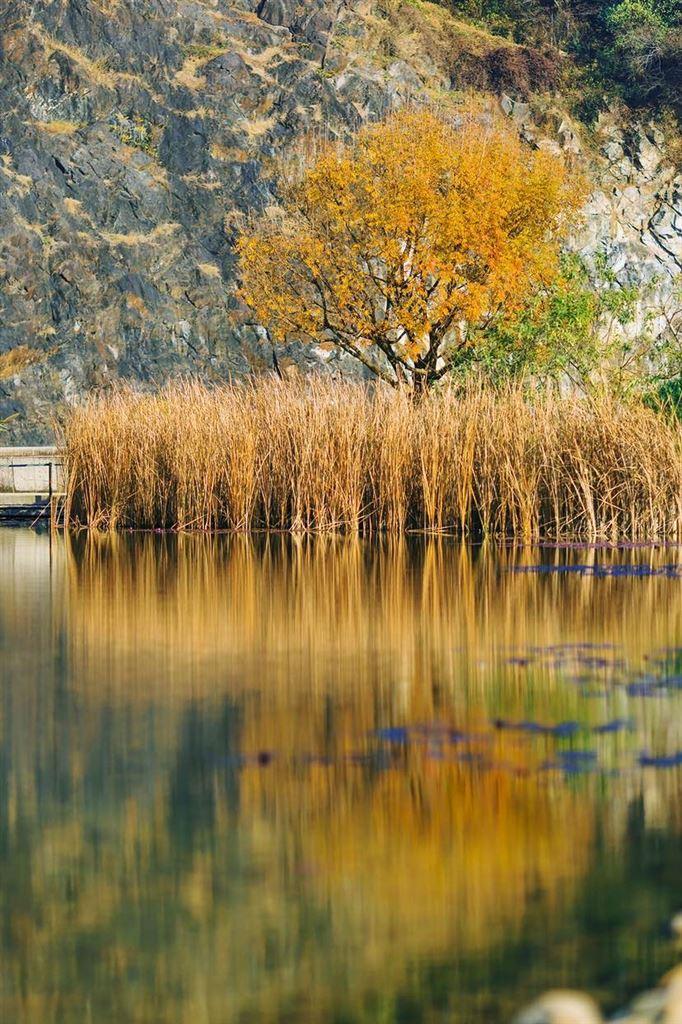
pixel 319 455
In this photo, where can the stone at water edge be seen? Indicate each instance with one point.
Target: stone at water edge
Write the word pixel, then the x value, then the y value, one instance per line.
pixel 645 1009
pixel 561 1007
pixel 673 989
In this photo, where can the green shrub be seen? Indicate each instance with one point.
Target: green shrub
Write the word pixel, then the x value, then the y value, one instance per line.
pixel 631 49
pixel 668 396
pixel 133 130
pixel 560 334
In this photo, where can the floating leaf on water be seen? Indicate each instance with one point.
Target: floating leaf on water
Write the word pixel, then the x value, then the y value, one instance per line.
pixel 672 571
pixel 616 725
pixel 564 729
pixel 393 734
pixel 561 730
pixel 642 690
pixel 577 756
pixel 664 761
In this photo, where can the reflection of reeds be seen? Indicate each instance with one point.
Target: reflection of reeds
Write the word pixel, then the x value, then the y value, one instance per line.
pixel 234 894
pixel 307 884
pixel 408 615
pixel 321 456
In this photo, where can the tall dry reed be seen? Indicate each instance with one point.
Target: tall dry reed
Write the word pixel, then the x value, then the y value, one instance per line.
pixel 321 455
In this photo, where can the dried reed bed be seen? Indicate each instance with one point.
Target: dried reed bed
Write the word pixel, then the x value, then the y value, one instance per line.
pixel 320 455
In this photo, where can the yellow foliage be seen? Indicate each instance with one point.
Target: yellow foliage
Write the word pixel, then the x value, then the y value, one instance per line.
pixel 400 246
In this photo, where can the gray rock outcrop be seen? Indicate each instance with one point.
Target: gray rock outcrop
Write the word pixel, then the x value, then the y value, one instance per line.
pixel 135 135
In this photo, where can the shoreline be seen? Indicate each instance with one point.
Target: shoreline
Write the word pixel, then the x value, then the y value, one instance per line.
pixel 659 1005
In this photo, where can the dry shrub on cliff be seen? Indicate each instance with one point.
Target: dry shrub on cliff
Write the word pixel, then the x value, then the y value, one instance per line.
pixel 17 359
pixel 322 455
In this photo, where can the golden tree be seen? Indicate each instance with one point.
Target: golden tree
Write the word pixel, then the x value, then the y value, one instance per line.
pixel 402 246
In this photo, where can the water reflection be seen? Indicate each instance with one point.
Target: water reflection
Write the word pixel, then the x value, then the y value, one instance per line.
pixel 331 781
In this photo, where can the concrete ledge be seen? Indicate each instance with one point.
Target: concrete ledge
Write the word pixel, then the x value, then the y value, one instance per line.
pixel 9 500
pixel 38 450
pixel 31 470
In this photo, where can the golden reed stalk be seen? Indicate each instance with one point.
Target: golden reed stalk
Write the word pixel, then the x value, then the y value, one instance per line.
pixel 320 455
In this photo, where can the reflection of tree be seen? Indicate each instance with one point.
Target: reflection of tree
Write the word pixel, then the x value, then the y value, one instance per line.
pixel 618 907
pixel 155 870
pixel 293 894
pixel 205 743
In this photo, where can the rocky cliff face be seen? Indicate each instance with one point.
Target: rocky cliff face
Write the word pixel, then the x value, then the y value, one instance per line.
pixel 134 135
pixel 633 219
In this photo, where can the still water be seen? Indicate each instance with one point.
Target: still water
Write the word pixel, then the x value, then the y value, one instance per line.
pixel 330 781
